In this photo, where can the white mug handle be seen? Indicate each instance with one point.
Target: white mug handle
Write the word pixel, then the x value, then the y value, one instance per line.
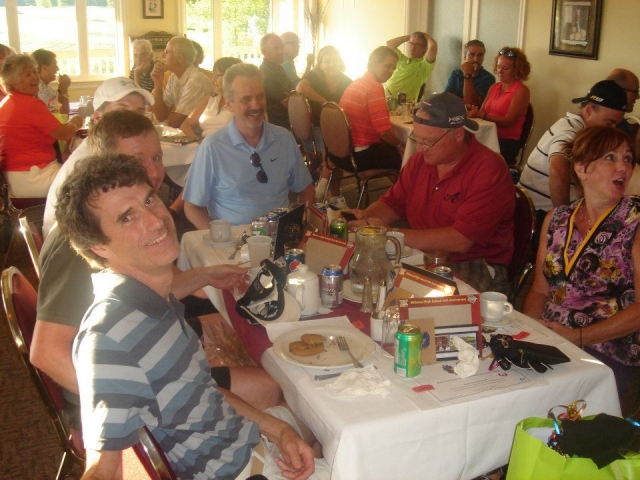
pixel 508 308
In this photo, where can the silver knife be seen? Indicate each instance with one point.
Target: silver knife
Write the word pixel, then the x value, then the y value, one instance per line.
pixel 326 376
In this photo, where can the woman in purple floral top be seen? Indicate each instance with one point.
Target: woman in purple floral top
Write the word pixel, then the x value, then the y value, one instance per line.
pixel 586 271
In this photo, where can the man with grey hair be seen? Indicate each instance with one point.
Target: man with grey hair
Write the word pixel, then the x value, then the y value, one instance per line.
pixel 186 85
pixel 117 93
pixel 247 168
pixel 277 85
pixel 413 70
pixel 142 64
pixel 291 44
pixel 471 81
pixel 456 195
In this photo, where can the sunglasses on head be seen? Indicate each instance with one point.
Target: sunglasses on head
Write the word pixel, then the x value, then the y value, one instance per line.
pixel 508 53
pixel 261 176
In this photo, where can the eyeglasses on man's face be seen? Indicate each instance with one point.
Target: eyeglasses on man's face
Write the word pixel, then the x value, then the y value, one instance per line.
pixel 261 176
pixel 422 143
pixel 508 53
pixel 417 44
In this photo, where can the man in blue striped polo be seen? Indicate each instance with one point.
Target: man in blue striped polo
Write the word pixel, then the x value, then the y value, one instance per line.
pixel 137 361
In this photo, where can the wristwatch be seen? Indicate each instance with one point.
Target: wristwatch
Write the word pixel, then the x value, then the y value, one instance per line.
pixel 467 76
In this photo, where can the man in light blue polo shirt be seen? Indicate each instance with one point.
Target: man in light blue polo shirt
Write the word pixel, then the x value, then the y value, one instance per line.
pixel 247 168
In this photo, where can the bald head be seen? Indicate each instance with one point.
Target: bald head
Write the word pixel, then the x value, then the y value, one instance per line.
pixel 629 82
pixel 291 44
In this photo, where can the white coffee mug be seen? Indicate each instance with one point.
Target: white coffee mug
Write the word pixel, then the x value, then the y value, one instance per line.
pixel 220 230
pixel 494 306
pixel 305 287
pixel 390 247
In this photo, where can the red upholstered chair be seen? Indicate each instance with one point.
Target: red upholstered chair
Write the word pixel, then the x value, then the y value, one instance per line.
pixel 523 230
pixel 151 457
pixel 20 300
pixel 30 222
pixel 336 134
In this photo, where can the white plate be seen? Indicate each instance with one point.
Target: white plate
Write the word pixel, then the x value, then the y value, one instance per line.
pixel 206 237
pixel 348 294
pixel 361 346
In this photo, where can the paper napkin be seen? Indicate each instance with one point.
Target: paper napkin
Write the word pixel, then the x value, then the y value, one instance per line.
pixel 358 382
pixel 468 358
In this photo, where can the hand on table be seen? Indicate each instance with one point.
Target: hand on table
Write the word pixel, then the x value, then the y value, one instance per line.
pixel 363 220
pixel 297 457
pixel 472 111
pixel 228 277
pixel 571 334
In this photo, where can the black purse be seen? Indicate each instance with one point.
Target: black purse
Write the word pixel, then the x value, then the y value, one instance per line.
pixel 507 351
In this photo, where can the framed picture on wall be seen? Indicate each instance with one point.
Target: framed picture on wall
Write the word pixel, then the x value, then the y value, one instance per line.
pixel 152 8
pixel 575 28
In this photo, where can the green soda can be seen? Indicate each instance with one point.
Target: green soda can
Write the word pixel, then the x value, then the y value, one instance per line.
pixel 339 228
pixel 408 350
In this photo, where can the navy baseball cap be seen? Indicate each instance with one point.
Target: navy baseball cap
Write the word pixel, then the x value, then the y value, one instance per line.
pixel 606 93
pixel 445 111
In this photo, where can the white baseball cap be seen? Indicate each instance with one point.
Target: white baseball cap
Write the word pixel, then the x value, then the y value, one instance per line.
pixel 114 89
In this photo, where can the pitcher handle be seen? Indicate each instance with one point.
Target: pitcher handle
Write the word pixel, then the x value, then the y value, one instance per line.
pixel 398 248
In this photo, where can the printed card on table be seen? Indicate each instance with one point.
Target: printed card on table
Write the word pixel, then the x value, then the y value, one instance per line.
pixel 456 315
pixel 322 250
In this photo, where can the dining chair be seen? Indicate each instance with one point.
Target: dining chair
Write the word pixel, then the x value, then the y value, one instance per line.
pixel 524 227
pixel 30 223
pixel 301 121
pixel 151 457
pixel 527 128
pixel 20 300
pixel 336 134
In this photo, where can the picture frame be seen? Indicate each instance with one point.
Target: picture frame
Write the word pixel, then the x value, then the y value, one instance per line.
pixel 575 28
pixel 152 8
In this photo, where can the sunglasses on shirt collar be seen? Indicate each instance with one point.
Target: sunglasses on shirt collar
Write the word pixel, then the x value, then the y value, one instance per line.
pixel 261 176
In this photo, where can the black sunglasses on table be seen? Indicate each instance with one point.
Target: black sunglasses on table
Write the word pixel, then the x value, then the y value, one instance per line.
pixel 261 176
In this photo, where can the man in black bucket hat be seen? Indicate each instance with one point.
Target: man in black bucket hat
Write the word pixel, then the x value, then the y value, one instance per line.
pixel 456 195
pixel 547 173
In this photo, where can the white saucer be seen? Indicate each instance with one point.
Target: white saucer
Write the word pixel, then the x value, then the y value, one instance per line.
pixel 229 243
pixel 506 320
pixel 348 294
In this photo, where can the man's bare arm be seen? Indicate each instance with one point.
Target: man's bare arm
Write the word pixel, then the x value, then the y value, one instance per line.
pixel 103 465
pixel 396 42
pixel 308 195
pixel 432 49
pixel 197 215
pixel 51 352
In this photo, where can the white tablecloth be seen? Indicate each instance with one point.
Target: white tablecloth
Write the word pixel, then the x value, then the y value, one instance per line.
pixel 487 135
pixel 410 435
pixel 177 160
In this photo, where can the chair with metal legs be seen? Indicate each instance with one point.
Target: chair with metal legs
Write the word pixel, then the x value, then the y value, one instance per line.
pixel 336 134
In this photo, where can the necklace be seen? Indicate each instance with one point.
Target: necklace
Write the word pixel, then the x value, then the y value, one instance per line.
pixel 585 216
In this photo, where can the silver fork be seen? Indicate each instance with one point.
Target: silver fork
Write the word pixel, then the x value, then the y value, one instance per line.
pixel 344 346
pixel 239 245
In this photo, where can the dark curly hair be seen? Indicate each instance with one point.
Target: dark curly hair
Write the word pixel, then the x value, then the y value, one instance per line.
pixel 75 212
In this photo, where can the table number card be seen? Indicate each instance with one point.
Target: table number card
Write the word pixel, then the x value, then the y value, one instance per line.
pixel 456 315
pixel 322 250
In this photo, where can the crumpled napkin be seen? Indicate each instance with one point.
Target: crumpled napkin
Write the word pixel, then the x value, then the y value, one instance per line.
pixel 468 358
pixel 358 382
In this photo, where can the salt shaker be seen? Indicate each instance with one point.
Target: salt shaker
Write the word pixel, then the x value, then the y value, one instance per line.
pixel 367 296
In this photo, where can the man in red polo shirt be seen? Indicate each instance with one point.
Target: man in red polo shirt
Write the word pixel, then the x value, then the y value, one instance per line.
pixel 364 102
pixel 456 195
